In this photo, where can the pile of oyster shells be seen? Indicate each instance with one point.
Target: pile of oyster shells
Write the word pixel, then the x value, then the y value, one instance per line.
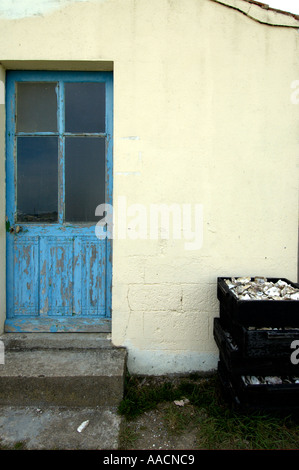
pixel 270 380
pixel 259 288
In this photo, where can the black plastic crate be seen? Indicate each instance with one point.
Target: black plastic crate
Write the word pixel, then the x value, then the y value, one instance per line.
pixel 247 362
pixel 256 342
pixel 258 313
pixel 280 398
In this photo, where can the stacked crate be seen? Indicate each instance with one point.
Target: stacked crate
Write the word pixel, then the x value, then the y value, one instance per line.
pixel 256 339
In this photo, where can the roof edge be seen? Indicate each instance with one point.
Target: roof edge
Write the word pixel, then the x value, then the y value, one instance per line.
pixel 265 6
pixel 262 13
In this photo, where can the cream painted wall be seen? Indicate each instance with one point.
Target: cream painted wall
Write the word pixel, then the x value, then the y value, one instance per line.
pixel 202 115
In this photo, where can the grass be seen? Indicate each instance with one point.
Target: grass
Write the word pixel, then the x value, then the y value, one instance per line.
pixel 140 397
pixel 17 446
pixel 218 426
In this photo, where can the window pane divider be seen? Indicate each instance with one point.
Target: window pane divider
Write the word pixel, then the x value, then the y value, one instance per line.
pixel 85 134
pixel 61 134
pixel 61 151
pixel 36 134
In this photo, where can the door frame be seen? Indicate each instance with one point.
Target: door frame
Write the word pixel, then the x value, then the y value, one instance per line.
pixel 32 75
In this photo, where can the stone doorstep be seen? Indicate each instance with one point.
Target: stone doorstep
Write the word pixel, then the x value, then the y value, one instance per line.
pixel 29 341
pixel 61 369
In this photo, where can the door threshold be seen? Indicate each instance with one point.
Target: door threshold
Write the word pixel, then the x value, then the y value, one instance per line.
pixel 57 325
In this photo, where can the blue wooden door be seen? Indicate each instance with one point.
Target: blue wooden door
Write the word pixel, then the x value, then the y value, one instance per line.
pixel 59 169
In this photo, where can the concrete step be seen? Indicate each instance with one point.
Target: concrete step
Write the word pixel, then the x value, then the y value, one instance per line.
pixel 29 341
pixel 56 428
pixel 61 369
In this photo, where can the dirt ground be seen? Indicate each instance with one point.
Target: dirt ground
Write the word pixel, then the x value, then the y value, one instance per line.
pixel 172 425
pixel 152 430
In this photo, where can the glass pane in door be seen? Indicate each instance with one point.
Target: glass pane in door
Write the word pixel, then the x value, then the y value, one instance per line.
pixel 84 177
pixel 85 107
pixel 36 107
pixel 37 179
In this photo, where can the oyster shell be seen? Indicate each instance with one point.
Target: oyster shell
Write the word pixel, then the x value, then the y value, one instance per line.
pixel 273 292
pixel 251 379
pixel 273 380
pixel 260 280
